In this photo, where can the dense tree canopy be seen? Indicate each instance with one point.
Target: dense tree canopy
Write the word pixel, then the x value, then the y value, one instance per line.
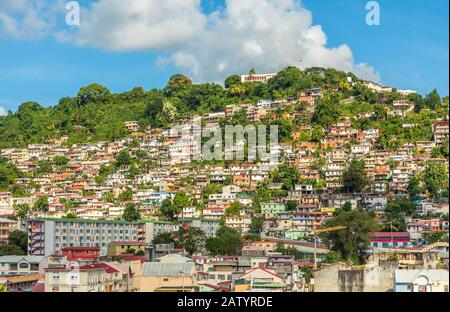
pixel 287 175
pixel 177 83
pixel 395 214
pixel 131 213
pixel 19 239
pixel 354 177
pixel 92 93
pixel 193 240
pixel 41 204
pixel 232 81
pixel 8 174
pixel 436 179
pixel 228 241
pixel 167 209
pixel 17 244
pixel 351 243
pixel 327 112
pixel 167 238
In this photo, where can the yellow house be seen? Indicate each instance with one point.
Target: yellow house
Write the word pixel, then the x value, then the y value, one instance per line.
pixel 241 286
pixel 267 246
pixel 120 248
pixel 6 227
pixel 167 277
pixel 285 224
pixel 328 211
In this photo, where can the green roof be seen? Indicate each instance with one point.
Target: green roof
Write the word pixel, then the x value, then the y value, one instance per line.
pixel 87 220
pixel 102 221
pixel 241 282
pixel 156 221
pixel 274 285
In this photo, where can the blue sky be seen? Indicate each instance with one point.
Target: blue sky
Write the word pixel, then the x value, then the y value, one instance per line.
pixel 409 50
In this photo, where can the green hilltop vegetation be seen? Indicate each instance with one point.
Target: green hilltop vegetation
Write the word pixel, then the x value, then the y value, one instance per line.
pixel 96 114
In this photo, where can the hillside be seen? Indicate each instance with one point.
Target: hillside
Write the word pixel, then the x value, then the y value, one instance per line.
pixel 96 114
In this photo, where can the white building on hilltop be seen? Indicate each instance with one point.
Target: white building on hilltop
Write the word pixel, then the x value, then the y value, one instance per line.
pixel 257 78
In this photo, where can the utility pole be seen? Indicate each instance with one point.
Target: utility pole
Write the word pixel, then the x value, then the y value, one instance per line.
pixel 315 251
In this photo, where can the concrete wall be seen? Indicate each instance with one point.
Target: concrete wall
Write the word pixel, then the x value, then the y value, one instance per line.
pixel 379 278
pixel 326 280
pixel 342 277
pixel 351 280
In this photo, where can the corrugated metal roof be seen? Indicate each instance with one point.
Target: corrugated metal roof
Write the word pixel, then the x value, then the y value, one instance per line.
pixel 13 259
pixel 3 220
pixel 167 269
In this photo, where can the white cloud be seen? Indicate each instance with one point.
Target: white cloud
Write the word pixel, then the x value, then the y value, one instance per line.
pixel 266 35
pixel 29 19
pixel 252 48
pixel 262 34
pixel 139 24
pixel 367 72
pixel 3 111
pixel 9 25
pixel 13 5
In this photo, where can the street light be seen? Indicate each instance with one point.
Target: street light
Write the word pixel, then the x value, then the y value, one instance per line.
pixel 183 274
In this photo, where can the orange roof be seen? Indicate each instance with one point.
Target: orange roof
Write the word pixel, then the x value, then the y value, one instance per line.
pixel 21 278
pixel 381 169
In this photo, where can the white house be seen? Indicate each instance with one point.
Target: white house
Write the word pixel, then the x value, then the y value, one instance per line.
pixel 421 281
pixel 19 265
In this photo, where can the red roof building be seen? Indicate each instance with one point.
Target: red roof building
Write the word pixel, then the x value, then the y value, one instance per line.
pixel 81 253
pixel 390 239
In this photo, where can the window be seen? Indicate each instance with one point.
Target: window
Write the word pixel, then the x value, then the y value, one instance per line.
pixel 23 265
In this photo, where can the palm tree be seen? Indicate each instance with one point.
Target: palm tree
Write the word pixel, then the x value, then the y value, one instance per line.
pixel 237 90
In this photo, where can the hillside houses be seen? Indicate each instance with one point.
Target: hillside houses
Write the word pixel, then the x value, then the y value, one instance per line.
pixel 78 201
pixel 401 108
pixel 441 131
